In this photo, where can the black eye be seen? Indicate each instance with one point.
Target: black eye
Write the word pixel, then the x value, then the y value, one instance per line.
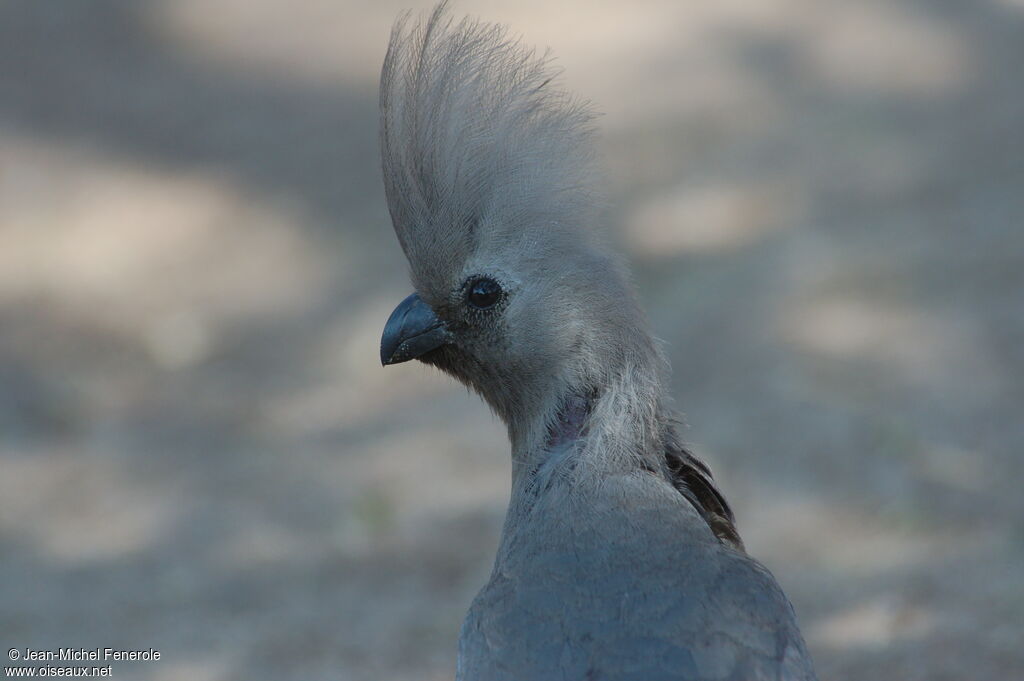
pixel 483 293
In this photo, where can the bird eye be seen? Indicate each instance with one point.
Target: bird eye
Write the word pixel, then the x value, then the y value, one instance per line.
pixel 483 293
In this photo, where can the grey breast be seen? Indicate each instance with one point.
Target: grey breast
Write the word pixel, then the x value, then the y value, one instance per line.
pixel 629 583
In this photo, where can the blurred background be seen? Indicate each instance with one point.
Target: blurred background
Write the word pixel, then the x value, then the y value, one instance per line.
pixel 200 453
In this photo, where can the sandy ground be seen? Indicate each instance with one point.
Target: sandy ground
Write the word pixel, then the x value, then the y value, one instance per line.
pixel 199 452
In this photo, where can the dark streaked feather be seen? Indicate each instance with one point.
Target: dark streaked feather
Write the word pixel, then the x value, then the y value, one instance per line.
pixel 692 478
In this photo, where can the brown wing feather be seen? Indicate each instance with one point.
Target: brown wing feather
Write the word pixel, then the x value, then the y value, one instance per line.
pixel 692 478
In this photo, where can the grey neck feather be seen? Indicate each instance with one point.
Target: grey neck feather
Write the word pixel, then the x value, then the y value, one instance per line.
pixel 607 421
pixel 622 427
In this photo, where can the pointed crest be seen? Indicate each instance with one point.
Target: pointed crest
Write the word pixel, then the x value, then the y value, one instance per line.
pixel 478 143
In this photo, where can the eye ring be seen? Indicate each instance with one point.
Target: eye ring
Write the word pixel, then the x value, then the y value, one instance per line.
pixel 483 293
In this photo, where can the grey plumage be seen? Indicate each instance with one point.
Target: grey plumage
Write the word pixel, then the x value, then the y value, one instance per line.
pixel 619 557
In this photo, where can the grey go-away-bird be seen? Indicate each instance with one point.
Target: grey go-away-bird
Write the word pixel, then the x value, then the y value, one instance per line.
pixel 619 558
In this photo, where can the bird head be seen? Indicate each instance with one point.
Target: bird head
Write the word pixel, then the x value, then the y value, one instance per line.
pixel 490 182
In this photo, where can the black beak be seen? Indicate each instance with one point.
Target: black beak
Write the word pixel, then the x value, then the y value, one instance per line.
pixel 412 330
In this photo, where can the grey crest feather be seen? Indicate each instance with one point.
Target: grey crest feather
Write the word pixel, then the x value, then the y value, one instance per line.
pixel 477 137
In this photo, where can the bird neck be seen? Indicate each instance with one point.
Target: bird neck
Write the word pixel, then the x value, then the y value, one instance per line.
pixel 614 429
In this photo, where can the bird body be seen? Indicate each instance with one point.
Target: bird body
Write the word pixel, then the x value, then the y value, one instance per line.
pixel 619 557
pixel 621 582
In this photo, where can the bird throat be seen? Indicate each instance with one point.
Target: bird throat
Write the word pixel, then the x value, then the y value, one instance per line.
pixel 569 424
